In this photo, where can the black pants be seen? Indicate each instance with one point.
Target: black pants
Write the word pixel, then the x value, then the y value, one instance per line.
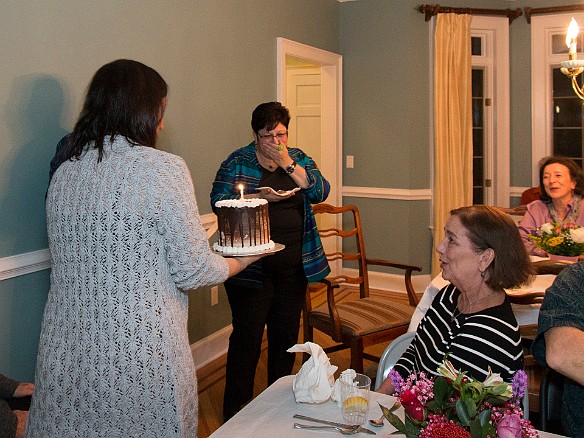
pixel 278 305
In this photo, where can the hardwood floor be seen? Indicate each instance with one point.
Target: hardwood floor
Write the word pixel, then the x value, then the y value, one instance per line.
pixel 211 377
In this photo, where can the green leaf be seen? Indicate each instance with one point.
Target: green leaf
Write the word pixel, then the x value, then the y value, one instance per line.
pixel 393 419
pixel 489 430
pixel 484 416
pixel 442 391
pixel 476 430
pixel 471 407
pixel 433 406
pixel 413 428
pixel 495 400
pixel 462 413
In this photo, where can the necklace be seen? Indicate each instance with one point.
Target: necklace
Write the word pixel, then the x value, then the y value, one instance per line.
pixel 571 217
pixel 458 312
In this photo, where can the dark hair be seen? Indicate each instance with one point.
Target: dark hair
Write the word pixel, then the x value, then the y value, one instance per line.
pixel 268 115
pixel 489 227
pixel 575 175
pixel 124 98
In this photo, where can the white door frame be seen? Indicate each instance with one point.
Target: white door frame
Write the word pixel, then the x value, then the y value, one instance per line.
pixel 331 66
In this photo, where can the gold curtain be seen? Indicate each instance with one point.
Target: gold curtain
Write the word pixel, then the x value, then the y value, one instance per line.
pixel 452 120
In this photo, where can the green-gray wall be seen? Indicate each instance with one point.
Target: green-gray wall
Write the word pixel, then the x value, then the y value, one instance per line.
pixel 386 99
pixel 219 58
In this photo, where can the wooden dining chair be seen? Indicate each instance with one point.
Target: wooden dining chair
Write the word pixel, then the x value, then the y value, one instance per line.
pixel 368 320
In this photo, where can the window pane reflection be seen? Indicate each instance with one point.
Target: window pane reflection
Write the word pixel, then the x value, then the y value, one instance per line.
pixel 478 133
pixel 567 118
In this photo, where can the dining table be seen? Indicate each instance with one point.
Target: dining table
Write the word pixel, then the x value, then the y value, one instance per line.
pixel 271 415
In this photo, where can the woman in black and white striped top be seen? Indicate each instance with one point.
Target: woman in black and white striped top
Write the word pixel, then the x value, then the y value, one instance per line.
pixel 471 319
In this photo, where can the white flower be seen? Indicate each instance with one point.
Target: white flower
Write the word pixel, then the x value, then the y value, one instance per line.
pixel 493 379
pixel 547 228
pixel 577 234
pixel 448 370
pixel 495 384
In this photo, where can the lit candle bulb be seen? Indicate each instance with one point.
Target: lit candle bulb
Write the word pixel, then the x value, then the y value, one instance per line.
pixel 241 190
pixel 573 30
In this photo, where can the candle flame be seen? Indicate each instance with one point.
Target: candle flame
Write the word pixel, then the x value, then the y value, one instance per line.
pixel 573 31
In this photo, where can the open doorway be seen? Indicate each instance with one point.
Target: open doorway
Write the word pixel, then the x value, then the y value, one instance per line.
pixel 310 85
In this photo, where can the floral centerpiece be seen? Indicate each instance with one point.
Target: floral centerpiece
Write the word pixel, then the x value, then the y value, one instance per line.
pixel 456 405
pixel 560 239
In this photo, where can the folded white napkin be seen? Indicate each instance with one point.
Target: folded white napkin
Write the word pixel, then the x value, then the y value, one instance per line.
pixel 347 376
pixel 313 382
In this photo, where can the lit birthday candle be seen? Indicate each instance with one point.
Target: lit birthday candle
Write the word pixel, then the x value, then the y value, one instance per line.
pixel 241 190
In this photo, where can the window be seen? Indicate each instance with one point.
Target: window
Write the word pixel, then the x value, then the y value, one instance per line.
pixel 557 114
pixel 478 136
pixel 490 107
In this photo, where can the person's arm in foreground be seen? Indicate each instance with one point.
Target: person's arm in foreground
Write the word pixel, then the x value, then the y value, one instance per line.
pixel 565 352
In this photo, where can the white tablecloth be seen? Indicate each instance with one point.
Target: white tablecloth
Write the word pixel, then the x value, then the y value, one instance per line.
pixel 269 415
pixel 526 314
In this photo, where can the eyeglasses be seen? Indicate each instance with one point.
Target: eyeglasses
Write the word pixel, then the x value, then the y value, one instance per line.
pixel 280 136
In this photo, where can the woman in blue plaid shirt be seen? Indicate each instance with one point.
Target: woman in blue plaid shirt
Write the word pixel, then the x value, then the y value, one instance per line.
pixel 271 292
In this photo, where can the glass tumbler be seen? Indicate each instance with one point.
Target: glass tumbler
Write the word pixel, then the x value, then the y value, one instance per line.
pixel 355 398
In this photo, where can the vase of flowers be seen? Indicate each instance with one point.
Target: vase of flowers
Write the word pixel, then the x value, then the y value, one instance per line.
pixel 563 240
pixel 456 405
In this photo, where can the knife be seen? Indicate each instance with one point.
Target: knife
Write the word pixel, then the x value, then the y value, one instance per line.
pixel 332 423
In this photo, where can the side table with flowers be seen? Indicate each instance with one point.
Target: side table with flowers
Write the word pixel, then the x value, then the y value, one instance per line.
pixel 563 240
pixel 456 405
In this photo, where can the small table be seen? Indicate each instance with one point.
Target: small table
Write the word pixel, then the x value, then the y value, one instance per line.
pixel 270 414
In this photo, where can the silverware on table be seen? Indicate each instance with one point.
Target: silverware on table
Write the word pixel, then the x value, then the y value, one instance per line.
pixel 343 430
pixel 332 423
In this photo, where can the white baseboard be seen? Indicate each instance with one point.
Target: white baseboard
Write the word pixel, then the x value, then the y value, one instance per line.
pixel 210 348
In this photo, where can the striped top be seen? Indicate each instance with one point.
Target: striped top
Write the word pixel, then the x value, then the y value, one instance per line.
pixel 243 167
pixel 474 342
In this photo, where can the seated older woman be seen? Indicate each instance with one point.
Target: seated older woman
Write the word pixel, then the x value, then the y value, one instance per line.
pixel 471 320
pixel 562 186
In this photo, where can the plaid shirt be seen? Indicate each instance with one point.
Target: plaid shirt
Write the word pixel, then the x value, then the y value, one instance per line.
pixel 242 167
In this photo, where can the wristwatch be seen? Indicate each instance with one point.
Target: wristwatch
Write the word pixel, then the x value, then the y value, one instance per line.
pixel 290 169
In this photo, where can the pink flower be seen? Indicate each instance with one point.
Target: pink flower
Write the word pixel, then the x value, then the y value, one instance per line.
pixel 412 405
pixel 509 426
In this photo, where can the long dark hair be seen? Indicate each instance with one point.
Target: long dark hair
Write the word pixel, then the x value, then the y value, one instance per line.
pixel 489 227
pixel 575 175
pixel 124 98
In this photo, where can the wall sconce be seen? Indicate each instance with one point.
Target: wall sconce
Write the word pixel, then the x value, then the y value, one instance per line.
pixel 573 67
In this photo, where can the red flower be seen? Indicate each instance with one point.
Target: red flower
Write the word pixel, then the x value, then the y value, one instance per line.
pixel 439 427
pixel 412 406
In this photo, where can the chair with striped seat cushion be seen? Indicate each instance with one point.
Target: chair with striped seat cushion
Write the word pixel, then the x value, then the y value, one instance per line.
pixel 369 320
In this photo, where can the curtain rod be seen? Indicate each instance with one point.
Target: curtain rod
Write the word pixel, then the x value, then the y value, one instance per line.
pixel 430 11
pixel 551 10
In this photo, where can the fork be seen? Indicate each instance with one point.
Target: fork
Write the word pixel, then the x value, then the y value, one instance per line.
pixel 343 430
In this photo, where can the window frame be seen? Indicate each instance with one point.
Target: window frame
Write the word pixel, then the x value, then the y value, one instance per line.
pixel 542 62
pixel 494 32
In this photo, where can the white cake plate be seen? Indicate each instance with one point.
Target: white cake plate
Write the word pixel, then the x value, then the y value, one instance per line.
pixel 278 247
